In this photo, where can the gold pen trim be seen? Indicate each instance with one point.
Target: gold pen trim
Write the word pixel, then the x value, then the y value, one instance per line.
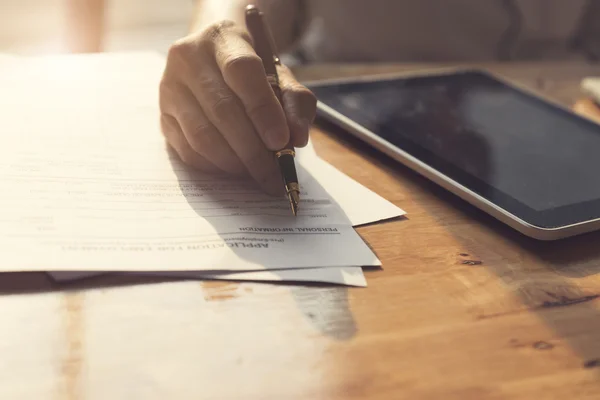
pixel 292 187
pixel 293 194
pixel 273 80
pixel 284 152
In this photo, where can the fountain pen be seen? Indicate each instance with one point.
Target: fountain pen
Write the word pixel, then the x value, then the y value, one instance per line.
pixel 265 49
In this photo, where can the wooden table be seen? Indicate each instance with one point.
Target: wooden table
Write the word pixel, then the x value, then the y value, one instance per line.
pixel 464 308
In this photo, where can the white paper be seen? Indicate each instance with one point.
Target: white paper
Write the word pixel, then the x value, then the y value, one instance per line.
pixel 102 208
pixel 102 74
pixel 89 185
pixel 7 59
pixel 361 205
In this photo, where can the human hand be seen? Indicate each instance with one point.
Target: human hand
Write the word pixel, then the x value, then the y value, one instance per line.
pixel 218 111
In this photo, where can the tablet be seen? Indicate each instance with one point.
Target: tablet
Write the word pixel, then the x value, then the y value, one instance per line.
pixel 522 158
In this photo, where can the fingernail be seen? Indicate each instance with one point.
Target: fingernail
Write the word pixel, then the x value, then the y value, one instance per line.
pixel 275 139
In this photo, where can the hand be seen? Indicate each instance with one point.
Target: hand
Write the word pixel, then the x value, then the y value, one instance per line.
pixel 219 113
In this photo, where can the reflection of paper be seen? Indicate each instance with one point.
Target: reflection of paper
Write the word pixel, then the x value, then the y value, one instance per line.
pixel 350 276
pixel 89 185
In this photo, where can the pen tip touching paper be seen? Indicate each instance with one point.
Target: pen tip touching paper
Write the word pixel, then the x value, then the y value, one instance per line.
pixel 294 199
pixel 293 194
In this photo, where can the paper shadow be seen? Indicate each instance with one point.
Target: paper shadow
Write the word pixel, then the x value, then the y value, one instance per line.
pixel 12 283
pixel 261 221
pixel 242 198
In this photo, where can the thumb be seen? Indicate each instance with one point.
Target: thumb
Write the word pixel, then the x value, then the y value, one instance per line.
pixel 299 105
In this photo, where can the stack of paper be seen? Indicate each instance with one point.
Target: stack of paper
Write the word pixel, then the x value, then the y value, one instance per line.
pixel 90 187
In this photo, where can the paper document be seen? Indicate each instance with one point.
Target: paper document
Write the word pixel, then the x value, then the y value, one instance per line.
pixel 124 207
pixel 361 205
pixel 89 185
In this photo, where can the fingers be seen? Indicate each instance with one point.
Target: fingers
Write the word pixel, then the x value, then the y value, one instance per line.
pixel 219 111
pixel 227 112
pixel 300 106
pixel 228 115
pixel 201 135
pixel 243 72
pixel 178 142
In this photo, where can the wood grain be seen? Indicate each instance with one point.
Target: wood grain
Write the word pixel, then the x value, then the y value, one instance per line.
pixel 464 308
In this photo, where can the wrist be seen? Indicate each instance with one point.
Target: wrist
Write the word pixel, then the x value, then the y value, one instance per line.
pixel 208 12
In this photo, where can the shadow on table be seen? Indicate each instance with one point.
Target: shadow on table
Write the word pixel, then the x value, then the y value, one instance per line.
pixel 326 307
pixel 40 282
pixel 543 291
pixel 263 223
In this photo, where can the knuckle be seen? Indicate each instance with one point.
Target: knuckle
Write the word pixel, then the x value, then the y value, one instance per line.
pixel 223 106
pixel 164 86
pixel 210 87
pixel 164 126
pixel 202 137
pixel 189 157
pixel 165 94
pixel 239 65
pixel 186 56
pixel 179 50
pixel 259 111
pixel 216 30
pixel 186 156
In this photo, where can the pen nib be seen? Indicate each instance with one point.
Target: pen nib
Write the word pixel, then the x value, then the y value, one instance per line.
pixel 294 199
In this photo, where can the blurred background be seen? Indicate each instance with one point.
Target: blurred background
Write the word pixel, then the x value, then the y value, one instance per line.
pixel 45 26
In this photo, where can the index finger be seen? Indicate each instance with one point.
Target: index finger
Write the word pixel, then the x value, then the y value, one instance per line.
pixel 244 73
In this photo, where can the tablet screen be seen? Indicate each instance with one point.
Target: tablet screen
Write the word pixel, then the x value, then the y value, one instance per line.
pixel 520 152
